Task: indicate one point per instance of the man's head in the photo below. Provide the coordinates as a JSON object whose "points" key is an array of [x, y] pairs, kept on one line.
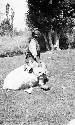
{"points": [[35, 33]]}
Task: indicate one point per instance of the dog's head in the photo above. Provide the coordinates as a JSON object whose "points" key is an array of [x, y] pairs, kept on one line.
{"points": [[38, 71]]}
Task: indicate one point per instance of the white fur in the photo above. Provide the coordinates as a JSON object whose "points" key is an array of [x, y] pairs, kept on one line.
{"points": [[40, 69], [72, 122], [18, 77]]}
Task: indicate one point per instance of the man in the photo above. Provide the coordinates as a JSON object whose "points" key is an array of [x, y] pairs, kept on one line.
{"points": [[33, 59], [33, 50]]}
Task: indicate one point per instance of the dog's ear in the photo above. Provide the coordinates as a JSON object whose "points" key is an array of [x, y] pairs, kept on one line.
{"points": [[31, 70], [44, 77], [46, 80]]}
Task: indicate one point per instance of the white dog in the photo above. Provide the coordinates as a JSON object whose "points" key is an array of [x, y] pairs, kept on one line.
{"points": [[18, 77]]}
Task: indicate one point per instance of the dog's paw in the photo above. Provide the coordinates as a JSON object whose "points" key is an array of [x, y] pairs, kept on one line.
{"points": [[45, 87], [29, 90]]}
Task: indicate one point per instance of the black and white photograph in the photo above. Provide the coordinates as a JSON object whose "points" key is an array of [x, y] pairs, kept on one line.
{"points": [[37, 62]]}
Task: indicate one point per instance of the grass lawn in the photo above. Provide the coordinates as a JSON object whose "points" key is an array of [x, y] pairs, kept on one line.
{"points": [[53, 107]]}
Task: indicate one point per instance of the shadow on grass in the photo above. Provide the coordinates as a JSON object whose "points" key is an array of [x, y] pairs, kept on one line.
{"points": [[11, 54]]}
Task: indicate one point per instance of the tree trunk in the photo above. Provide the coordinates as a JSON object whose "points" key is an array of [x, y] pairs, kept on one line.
{"points": [[47, 43], [56, 41], [50, 39]]}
